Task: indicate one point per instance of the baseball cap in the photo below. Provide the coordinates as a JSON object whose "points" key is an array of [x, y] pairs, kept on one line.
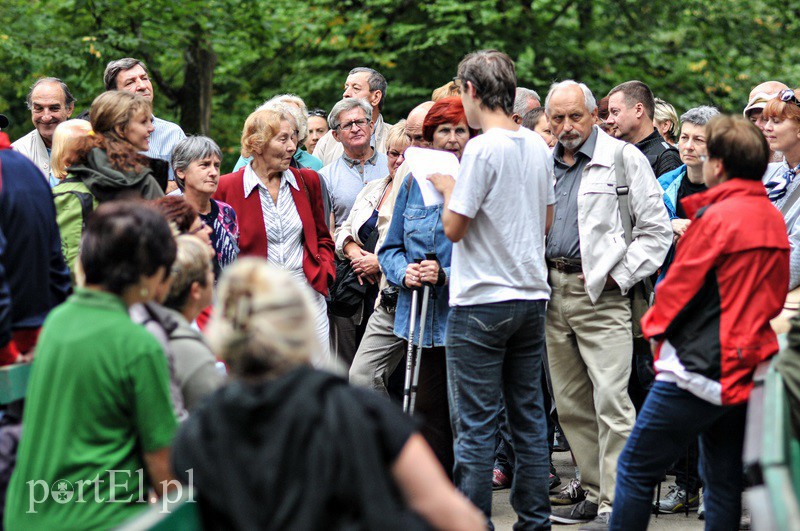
{"points": [[3, 121], [758, 101]]}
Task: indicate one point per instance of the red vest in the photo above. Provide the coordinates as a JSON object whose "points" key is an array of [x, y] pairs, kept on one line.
{"points": [[318, 257]]}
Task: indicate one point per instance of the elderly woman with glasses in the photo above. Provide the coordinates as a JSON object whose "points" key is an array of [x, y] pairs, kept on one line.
{"points": [[280, 210], [781, 118], [196, 161], [415, 231]]}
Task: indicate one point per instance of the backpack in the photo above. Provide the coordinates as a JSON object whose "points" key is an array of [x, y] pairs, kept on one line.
{"points": [[74, 202]]}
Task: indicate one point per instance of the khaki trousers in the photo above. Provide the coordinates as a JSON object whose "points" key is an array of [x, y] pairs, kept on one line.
{"points": [[589, 348]]}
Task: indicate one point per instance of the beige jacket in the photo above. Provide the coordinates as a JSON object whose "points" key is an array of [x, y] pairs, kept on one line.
{"points": [[32, 146], [362, 209], [602, 237], [328, 149]]}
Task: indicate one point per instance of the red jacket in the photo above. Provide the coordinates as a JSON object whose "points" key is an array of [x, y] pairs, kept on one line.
{"points": [[318, 261], [729, 279]]}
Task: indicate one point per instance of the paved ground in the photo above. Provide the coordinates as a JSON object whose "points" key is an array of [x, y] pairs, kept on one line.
{"points": [[503, 515]]}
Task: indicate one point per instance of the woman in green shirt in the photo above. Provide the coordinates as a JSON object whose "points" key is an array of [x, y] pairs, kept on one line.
{"points": [[98, 420]]}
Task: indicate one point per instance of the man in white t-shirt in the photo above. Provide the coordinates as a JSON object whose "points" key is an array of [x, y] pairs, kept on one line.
{"points": [[498, 213]]}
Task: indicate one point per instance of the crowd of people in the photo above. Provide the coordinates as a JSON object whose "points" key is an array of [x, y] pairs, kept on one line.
{"points": [[598, 276]]}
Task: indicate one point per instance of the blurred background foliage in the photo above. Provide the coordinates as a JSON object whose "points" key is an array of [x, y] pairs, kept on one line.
{"points": [[214, 61]]}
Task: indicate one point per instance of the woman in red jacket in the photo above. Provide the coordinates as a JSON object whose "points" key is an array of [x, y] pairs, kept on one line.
{"points": [[710, 329], [280, 210]]}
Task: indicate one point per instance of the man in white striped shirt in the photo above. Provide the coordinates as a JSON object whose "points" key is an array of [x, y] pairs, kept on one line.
{"points": [[131, 74]]}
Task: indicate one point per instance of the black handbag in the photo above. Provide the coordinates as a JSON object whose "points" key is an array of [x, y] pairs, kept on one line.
{"points": [[346, 294]]}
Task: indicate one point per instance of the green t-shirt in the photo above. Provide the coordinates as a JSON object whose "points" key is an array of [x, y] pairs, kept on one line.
{"points": [[98, 398]]}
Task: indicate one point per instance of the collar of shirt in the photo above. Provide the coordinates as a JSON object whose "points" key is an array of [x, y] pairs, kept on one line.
{"points": [[355, 162], [587, 148], [251, 180]]}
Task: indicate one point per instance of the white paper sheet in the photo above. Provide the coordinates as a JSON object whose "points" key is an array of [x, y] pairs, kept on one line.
{"points": [[424, 162]]}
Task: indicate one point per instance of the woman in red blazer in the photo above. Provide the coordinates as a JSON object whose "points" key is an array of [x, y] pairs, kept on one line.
{"points": [[280, 210]]}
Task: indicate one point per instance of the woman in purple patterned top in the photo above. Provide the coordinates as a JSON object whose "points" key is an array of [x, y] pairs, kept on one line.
{"points": [[196, 161]]}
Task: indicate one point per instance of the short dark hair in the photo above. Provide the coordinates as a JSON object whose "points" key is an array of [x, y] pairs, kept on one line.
{"points": [[120, 65], [178, 211], [376, 81], [637, 92], [739, 144], [492, 74], [531, 118], [123, 241], [69, 99]]}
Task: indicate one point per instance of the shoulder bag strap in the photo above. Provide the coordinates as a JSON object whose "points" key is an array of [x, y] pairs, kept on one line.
{"points": [[622, 194]]}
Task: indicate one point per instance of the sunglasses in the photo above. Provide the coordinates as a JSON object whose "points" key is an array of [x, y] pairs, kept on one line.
{"points": [[787, 96], [318, 112]]}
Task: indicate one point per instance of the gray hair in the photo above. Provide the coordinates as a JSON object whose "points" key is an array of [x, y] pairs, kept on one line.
{"points": [[69, 99], [347, 105], [376, 81], [190, 149], [588, 97], [699, 115], [289, 103], [120, 65], [521, 100]]}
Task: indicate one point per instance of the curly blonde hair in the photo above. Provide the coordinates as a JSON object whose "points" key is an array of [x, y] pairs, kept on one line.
{"points": [[259, 128], [264, 325]]}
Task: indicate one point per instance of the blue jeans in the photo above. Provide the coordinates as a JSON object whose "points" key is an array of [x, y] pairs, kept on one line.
{"points": [[670, 420], [491, 347]]}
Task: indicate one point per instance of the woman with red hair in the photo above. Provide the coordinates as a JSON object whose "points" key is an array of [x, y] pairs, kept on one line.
{"points": [[415, 231], [782, 132]]}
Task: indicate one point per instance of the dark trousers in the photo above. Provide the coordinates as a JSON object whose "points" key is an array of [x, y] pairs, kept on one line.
{"points": [[432, 407], [670, 420]]}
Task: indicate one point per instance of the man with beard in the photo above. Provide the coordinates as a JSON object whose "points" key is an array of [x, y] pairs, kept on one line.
{"points": [[591, 270]]}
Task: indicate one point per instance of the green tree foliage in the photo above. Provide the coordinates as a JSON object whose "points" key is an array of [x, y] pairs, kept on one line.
{"points": [[213, 61]]}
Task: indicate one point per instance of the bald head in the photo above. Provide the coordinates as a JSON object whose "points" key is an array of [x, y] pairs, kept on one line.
{"points": [[414, 124], [768, 87]]}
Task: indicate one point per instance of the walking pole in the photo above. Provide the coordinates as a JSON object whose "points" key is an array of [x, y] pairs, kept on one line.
{"points": [[422, 320], [410, 353], [426, 292]]}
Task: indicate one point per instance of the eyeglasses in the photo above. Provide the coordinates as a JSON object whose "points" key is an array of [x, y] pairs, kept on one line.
{"points": [[317, 112], [787, 96], [361, 123], [200, 228]]}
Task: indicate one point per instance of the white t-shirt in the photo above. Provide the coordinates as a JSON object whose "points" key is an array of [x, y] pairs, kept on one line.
{"points": [[504, 184]]}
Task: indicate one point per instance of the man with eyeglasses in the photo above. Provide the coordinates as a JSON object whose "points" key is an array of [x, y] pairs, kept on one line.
{"points": [[369, 85], [359, 163]]}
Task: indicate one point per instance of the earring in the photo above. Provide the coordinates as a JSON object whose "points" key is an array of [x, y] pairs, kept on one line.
{"points": [[144, 292]]}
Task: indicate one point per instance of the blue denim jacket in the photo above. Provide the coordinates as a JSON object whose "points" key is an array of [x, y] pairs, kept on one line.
{"points": [[414, 231]]}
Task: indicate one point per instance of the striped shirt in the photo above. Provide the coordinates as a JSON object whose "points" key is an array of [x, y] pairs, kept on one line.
{"points": [[163, 139], [282, 222]]}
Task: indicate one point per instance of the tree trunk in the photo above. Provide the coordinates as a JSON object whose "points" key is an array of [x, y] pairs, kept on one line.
{"points": [[198, 84]]}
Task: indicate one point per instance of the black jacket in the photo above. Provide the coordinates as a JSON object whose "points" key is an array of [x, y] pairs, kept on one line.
{"points": [[661, 156]]}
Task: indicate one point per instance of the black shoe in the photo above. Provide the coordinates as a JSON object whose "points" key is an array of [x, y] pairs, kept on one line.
{"points": [[585, 511]]}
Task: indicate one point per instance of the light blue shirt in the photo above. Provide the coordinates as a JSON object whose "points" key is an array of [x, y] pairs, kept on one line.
{"points": [[346, 177], [163, 139]]}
